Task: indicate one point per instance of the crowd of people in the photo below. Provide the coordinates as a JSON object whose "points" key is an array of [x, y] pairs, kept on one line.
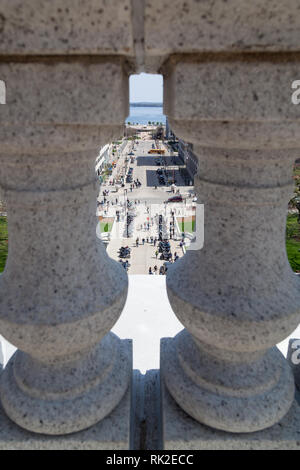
{"points": [[162, 270]]}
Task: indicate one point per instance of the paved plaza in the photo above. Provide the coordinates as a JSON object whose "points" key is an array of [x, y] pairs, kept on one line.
{"points": [[145, 203]]}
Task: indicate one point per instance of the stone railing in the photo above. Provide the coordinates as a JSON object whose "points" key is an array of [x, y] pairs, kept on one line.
{"points": [[228, 69]]}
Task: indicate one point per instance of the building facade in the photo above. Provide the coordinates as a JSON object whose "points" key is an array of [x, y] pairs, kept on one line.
{"points": [[190, 160]]}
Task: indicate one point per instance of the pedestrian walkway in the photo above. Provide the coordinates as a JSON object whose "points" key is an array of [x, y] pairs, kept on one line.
{"points": [[147, 203], [143, 256]]}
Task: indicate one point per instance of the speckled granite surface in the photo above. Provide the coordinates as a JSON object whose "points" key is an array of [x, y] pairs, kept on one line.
{"points": [[111, 433], [181, 432]]}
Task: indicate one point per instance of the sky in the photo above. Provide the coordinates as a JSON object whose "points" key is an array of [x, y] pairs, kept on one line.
{"points": [[146, 87]]}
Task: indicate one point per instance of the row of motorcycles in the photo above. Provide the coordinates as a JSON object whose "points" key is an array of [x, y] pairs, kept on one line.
{"points": [[160, 227], [161, 235], [124, 252], [131, 213], [164, 248]]}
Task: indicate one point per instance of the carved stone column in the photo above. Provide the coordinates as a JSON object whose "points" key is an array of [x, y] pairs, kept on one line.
{"points": [[60, 293], [238, 296]]}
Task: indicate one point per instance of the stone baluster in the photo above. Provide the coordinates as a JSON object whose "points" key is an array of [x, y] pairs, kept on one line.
{"points": [[60, 293], [237, 297]]}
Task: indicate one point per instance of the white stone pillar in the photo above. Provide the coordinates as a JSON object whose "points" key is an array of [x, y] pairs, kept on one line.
{"points": [[237, 297], [60, 293]]}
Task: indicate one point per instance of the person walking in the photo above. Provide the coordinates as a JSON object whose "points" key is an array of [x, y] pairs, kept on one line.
{"points": [[137, 241], [143, 240], [155, 269], [150, 270], [156, 254]]}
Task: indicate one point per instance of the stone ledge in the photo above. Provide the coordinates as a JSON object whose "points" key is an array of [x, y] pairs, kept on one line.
{"points": [[181, 432], [69, 27], [184, 26]]}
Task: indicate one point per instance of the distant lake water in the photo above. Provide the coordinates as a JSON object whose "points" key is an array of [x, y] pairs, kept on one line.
{"points": [[142, 115]]}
